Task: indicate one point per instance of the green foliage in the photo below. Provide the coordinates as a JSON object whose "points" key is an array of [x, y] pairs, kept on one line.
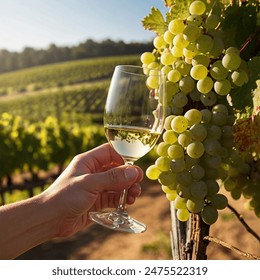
{"points": [[38, 146], [155, 21]]}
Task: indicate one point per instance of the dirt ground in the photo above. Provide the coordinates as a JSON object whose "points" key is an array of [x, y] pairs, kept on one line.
{"points": [[152, 208]]}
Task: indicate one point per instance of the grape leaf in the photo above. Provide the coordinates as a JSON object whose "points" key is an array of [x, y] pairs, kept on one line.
{"points": [[247, 128], [247, 134], [169, 3], [155, 22]]}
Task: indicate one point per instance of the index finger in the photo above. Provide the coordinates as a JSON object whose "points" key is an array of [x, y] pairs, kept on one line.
{"points": [[101, 158]]}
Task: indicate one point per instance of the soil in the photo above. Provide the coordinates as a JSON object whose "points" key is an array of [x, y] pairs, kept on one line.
{"points": [[152, 208]]}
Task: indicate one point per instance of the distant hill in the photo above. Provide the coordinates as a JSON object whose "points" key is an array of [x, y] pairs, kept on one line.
{"points": [[10, 61]]}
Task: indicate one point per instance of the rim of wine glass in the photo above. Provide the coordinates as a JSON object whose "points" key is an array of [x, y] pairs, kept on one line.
{"points": [[120, 67]]}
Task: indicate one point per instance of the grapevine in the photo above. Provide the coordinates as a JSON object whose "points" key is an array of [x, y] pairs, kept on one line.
{"points": [[202, 148]]}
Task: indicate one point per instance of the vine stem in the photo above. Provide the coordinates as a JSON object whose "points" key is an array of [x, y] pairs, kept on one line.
{"points": [[241, 219], [232, 248]]}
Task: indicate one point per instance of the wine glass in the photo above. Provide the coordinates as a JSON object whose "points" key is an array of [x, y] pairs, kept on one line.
{"points": [[133, 120]]}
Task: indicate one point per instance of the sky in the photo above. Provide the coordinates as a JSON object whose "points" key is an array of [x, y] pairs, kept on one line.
{"points": [[39, 23]]}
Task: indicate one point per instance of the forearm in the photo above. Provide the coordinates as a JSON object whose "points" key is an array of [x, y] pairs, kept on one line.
{"points": [[24, 225]]}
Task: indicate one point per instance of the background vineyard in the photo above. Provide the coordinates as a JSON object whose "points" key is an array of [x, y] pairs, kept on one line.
{"points": [[48, 114]]}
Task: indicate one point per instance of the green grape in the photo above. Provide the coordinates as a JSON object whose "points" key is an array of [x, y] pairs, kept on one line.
{"points": [[174, 76], [159, 42], [197, 8], [219, 201], [190, 51], [153, 172], [232, 50], [218, 48], [214, 132], [205, 85], [212, 147], [212, 21], [183, 67], [168, 37], [227, 131], [193, 116], [177, 165], [197, 172], [176, 26], [167, 58], [179, 124], [195, 149], [199, 72], [194, 20], [212, 187], [184, 139], [153, 65], [180, 100], [170, 90], [229, 184], [176, 52], [162, 149], [166, 69], [222, 87], [186, 84], [198, 132], [153, 82], [184, 177], [189, 161], [204, 43], [195, 205], [206, 115], [195, 95], [180, 203], [218, 71], [219, 118], [231, 61], [180, 41], [147, 58], [213, 161], [198, 189], [167, 122], [166, 178], [183, 215], [191, 33], [175, 151], [209, 215], [239, 77], [169, 189], [176, 111], [183, 190], [220, 108], [208, 99], [200, 59], [171, 196], [170, 137], [163, 163]]}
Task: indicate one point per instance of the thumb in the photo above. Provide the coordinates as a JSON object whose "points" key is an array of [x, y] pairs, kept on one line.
{"points": [[115, 179]]}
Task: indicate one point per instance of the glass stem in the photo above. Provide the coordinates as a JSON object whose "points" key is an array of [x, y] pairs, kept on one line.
{"points": [[122, 200]]}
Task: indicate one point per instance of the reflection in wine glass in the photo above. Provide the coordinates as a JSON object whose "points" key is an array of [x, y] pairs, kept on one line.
{"points": [[133, 120]]}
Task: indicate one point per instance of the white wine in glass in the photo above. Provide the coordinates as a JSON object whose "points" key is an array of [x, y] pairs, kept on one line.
{"points": [[133, 120]]}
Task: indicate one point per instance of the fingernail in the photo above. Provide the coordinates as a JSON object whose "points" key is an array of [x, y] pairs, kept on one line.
{"points": [[131, 173]]}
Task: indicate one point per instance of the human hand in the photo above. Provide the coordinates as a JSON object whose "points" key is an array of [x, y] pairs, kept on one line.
{"points": [[92, 181]]}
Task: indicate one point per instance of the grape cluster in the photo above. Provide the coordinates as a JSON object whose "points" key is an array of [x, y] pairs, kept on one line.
{"points": [[197, 141], [193, 149], [242, 178]]}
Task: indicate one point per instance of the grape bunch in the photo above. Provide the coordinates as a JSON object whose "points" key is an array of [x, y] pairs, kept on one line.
{"points": [[242, 178], [197, 143]]}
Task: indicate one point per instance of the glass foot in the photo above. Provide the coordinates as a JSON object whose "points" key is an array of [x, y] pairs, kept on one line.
{"points": [[117, 220]]}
